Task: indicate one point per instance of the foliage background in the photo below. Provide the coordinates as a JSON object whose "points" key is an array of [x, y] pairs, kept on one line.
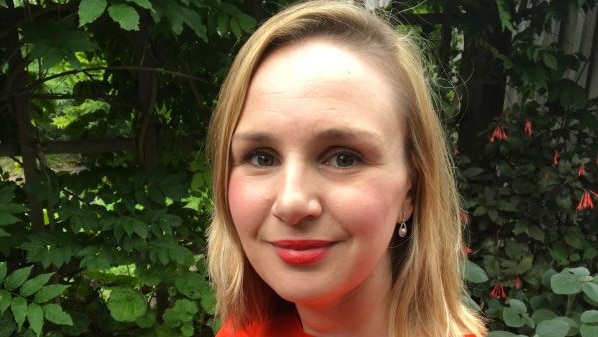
{"points": [[104, 193]]}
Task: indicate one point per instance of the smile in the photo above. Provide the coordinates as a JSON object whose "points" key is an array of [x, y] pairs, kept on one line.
{"points": [[302, 252]]}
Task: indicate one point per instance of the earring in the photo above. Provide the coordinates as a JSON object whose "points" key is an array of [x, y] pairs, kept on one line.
{"points": [[403, 227]]}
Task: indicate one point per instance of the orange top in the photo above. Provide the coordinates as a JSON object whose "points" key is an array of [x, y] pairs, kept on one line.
{"points": [[286, 325]]}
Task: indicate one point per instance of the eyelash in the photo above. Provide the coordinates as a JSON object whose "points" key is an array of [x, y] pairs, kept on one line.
{"points": [[356, 158], [329, 156], [253, 154]]}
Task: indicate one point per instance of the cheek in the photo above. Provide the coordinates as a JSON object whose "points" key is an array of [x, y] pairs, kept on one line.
{"points": [[247, 203], [369, 211]]}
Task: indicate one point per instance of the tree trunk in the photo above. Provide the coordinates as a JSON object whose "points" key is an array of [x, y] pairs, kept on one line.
{"points": [[484, 83], [20, 108]]}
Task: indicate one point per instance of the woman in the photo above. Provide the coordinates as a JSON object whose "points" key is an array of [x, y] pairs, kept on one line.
{"points": [[336, 212]]}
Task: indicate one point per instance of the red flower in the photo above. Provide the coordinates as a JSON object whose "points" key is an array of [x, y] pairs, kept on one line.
{"points": [[581, 171], [498, 291], [498, 134], [466, 250], [517, 283], [528, 127], [556, 157], [586, 200]]}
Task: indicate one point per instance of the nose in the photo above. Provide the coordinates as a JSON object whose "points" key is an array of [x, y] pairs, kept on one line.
{"points": [[297, 197]]}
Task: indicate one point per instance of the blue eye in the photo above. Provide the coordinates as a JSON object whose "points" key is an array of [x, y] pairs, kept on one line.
{"points": [[343, 160], [261, 158]]}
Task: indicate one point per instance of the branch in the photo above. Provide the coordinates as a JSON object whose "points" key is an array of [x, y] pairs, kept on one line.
{"points": [[90, 146], [81, 146], [39, 82], [69, 96]]}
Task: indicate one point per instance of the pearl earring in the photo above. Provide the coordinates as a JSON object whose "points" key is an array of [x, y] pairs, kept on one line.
{"points": [[403, 227]]}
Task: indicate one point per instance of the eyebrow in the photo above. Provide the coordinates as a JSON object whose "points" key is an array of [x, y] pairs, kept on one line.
{"points": [[252, 136], [326, 134], [346, 134]]}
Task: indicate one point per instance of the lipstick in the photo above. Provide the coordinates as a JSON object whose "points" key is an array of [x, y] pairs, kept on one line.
{"points": [[301, 252]]}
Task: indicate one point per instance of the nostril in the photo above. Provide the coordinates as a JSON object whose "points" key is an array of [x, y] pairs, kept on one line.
{"points": [[296, 207]]}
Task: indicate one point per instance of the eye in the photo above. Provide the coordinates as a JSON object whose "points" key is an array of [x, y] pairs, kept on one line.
{"points": [[261, 158], [343, 159]]}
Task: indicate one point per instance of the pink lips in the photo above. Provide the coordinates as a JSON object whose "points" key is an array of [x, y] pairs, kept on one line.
{"points": [[301, 252]]}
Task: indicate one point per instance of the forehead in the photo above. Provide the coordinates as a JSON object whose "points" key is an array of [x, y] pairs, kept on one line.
{"points": [[318, 60], [319, 69]]}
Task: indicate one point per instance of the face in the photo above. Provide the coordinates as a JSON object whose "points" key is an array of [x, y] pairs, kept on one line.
{"points": [[319, 177]]}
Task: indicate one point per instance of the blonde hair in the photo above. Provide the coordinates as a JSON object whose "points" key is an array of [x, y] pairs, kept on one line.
{"points": [[428, 288]]}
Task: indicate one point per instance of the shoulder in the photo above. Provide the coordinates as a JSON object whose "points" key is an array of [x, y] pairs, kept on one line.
{"points": [[227, 330], [287, 325]]}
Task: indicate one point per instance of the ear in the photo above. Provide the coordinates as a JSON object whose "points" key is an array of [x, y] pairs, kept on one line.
{"points": [[407, 206]]}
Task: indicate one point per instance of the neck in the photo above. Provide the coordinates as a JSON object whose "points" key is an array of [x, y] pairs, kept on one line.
{"points": [[361, 313]]}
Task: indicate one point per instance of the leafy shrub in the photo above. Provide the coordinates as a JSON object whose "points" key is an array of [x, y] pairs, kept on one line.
{"points": [[120, 247]]}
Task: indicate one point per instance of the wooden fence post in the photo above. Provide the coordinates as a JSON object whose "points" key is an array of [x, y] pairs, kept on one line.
{"points": [[20, 108]]}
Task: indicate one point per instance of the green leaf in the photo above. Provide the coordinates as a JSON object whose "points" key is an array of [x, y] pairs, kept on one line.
{"points": [[7, 193], [591, 290], [570, 93], [506, 206], [513, 318], [90, 10], [7, 326], [235, 27], [183, 311], [230, 9], [472, 172], [589, 316], [565, 283], [145, 4], [574, 240], [49, 292], [125, 15], [31, 286], [500, 334], [550, 60], [588, 330], [5, 300], [208, 299], [14, 280], [146, 321], [3, 270], [8, 219], [54, 313], [126, 305], [536, 232], [18, 306], [518, 306], [552, 328], [187, 330], [222, 24], [504, 15], [247, 23], [35, 317], [474, 273], [190, 285], [192, 19], [543, 315], [173, 186], [573, 325]]}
